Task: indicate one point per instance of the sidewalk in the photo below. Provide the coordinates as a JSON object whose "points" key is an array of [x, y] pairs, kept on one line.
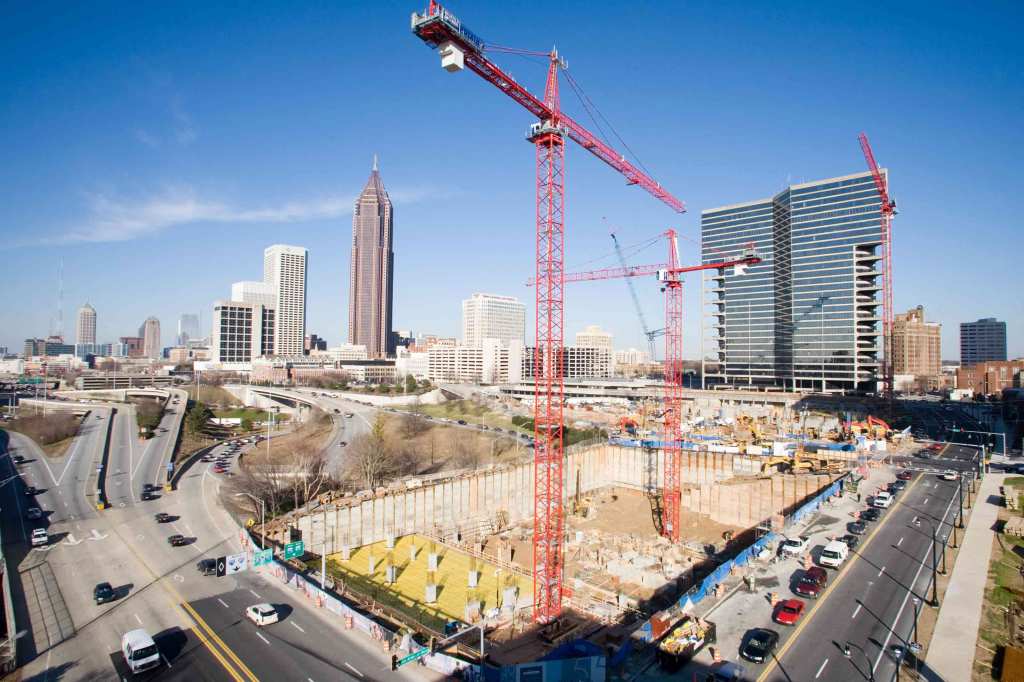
{"points": [[951, 653]]}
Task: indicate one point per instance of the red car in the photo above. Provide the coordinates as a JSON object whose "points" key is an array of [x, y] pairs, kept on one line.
{"points": [[812, 582], [935, 446], [904, 475], [788, 612]]}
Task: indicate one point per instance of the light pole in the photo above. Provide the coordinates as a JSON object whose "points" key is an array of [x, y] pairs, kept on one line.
{"points": [[263, 517], [848, 652], [986, 433], [935, 565]]}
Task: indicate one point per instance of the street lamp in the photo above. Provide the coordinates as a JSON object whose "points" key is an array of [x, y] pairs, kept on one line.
{"points": [[848, 652], [263, 517], [935, 563]]}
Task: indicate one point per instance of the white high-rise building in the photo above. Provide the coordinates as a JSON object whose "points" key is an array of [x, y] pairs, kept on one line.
{"points": [[151, 338], [261, 293], [487, 316], [242, 332], [594, 337], [284, 271], [86, 332]]}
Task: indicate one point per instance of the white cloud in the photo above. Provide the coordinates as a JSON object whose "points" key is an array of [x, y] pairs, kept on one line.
{"points": [[114, 219]]}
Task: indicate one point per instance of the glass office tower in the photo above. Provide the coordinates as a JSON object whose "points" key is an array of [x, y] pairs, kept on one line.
{"points": [[808, 317]]}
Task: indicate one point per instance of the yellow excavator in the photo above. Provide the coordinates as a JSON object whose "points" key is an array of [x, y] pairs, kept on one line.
{"points": [[799, 462]]}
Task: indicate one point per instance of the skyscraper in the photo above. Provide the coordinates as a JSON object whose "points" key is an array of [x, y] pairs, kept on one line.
{"points": [[982, 341], [284, 271], [371, 275], [86, 330], [151, 338], [807, 317], [188, 328], [916, 347], [487, 316]]}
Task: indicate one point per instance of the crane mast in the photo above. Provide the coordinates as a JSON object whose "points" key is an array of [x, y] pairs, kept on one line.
{"points": [[460, 48]]}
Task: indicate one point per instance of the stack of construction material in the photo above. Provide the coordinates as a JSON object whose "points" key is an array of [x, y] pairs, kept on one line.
{"points": [[1009, 494], [1014, 526]]}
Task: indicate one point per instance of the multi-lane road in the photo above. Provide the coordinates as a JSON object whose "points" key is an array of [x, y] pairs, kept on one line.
{"points": [[197, 620], [869, 608]]}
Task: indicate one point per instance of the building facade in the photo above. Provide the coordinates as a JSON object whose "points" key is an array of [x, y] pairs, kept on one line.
{"points": [[262, 293], [188, 329], [242, 332], [85, 332], [284, 272], [490, 363], [990, 378], [578, 362], [488, 316], [982, 341], [371, 274], [151, 338], [917, 348], [807, 317]]}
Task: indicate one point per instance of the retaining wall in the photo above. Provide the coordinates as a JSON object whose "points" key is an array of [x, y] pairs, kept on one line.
{"points": [[465, 503]]}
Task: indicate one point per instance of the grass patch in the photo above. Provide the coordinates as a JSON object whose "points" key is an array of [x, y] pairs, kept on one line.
{"points": [[53, 433], [249, 413], [471, 412], [215, 396]]}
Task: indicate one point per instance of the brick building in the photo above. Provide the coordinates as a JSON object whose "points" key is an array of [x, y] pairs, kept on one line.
{"points": [[989, 378]]}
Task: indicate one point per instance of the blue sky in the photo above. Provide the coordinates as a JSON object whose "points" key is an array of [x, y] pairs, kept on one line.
{"points": [[158, 149]]}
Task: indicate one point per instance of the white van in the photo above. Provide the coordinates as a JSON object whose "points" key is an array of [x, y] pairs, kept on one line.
{"points": [[139, 649], [882, 499], [834, 554]]}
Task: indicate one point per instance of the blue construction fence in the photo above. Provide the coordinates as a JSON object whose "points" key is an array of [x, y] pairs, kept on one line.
{"points": [[697, 593]]}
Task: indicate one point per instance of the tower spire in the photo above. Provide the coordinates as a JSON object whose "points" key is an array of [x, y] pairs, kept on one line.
{"points": [[375, 162]]}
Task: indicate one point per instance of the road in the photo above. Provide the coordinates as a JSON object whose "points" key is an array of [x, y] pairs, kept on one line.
{"points": [[196, 620], [871, 606]]}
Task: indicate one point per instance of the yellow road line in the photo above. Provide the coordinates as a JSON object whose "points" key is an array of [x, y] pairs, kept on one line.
{"points": [[770, 666], [179, 602], [213, 635]]}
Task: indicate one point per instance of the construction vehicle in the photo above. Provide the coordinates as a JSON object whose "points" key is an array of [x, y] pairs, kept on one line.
{"points": [[872, 427], [684, 641]]}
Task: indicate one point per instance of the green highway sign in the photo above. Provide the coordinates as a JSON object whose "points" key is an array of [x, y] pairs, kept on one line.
{"points": [[397, 662], [293, 550], [262, 557], [30, 380]]}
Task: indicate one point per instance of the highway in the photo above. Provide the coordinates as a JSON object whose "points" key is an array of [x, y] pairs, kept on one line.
{"points": [[196, 620], [870, 607]]}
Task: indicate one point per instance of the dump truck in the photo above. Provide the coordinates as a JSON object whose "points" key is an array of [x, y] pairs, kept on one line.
{"points": [[683, 642]]}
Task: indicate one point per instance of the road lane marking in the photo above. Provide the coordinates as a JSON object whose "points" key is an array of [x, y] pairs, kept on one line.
{"points": [[353, 669], [855, 611], [213, 636], [900, 542], [255, 595], [881, 571], [925, 503], [917, 575], [137, 618], [823, 664], [263, 638], [223, 603], [296, 626], [824, 595]]}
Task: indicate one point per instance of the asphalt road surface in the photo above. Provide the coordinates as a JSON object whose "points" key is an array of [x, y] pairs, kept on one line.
{"points": [[871, 607]]}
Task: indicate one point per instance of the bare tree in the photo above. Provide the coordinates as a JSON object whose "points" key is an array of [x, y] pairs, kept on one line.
{"points": [[412, 425], [373, 455], [309, 474]]}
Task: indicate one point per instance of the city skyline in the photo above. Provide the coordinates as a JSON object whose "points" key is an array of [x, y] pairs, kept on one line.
{"points": [[166, 202]]}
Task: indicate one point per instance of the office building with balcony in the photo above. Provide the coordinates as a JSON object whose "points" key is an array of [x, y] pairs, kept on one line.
{"points": [[808, 316]]}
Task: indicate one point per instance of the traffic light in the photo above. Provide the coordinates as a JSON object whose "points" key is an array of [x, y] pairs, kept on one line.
{"points": [[394, 662]]}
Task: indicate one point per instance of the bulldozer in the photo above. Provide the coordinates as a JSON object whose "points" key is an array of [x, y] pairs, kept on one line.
{"points": [[800, 462]]}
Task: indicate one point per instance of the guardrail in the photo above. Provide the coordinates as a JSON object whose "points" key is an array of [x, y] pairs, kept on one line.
{"points": [[96, 487]]}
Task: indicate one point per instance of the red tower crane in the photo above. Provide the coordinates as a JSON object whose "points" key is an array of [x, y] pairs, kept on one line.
{"points": [[888, 211], [459, 48], [670, 276]]}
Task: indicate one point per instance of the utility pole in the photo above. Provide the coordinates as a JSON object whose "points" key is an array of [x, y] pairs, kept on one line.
{"points": [[935, 566]]}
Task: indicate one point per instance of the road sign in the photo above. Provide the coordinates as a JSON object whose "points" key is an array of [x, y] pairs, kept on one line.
{"points": [[170, 467], [222, 566], [397, 662], [262, 556], [236, 563], [293, 550]]}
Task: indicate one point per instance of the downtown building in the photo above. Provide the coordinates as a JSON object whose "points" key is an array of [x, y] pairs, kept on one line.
{"points": [[982, 341], [371, 273], [808, 316], [488, 316], [85, 332], [242, 332], [916, 350], [284, 279]]}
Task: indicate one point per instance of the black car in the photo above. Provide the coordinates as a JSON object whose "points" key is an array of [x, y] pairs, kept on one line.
{"points": [[872, 514], [857, 527], [758, 645], [31, 490], [850, 541], [462, 421], [897, 486], [146, 495], [148, 488], [18, 459], [163, 517], [103, 593], [207, 566], [177, 540]]}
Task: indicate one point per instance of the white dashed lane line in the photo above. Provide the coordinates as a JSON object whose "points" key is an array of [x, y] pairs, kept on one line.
{"points": [[223, 603], [296, 626], [823, 664], [267, 641]]}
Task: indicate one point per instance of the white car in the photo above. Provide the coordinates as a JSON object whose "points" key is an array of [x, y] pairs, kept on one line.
{"points": [[40, 538], [949, 475], [794, 546], [139, 650], [261, 614], [882, 500]]}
